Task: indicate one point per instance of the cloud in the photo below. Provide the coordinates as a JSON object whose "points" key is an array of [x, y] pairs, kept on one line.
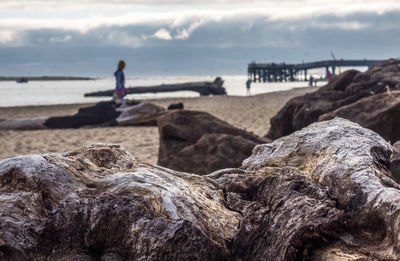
{"points": [[189, 28], [184, 33], [231, 31], [117, 38], [30, 3], [162, 34], [60, 39], [87, 15], [168, 38], [7, 37]]}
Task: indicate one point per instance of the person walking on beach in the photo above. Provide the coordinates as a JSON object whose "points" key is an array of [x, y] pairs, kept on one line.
{"points": [[329, 76], [120, 90], [311, 81], [248, 86]]}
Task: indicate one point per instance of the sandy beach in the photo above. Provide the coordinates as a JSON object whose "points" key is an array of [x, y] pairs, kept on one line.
{"points": [[251, 113]]}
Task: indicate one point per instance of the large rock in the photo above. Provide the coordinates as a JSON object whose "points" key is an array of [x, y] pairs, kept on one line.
{"points": [[395, 161], [176, 106], [344, 89], [197, 142], [380, 113], [211, 152], [323, 192]]}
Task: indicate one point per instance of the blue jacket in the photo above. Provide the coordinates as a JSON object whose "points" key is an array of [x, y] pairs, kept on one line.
{"points": [[120, 79]]}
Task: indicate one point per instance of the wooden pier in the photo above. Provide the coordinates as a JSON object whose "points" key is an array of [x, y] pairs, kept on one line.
{"points": [[280, 72]]}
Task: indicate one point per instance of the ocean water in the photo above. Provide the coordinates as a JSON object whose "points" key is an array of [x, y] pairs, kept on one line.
{"points": [[67, 92]]}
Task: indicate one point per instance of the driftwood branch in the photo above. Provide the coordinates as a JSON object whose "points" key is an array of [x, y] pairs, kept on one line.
{"points": [[203, 88]]}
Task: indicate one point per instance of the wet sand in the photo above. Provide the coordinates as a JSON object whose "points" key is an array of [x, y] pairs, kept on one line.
{"points": [[250, 113]]}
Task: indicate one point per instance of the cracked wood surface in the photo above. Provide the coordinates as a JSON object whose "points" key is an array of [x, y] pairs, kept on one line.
{"points": [[322, 192]]}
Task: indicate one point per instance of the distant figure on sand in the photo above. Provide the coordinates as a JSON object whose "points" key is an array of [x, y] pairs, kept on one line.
{"points": [[248, 86], [120, 90], [329, 75]]}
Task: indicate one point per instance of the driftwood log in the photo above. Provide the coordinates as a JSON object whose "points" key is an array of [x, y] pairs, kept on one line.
{"points": [[101, 114], [203, 88], [322, 193]]}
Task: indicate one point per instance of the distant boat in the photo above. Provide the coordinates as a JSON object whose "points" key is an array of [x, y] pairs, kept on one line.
{"points": [[22, 80]]}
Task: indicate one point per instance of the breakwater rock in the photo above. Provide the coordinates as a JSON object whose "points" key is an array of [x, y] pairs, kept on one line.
{"points": [[322, 192], [379, 112], [197, 142], [395, 162], [345, 91]]}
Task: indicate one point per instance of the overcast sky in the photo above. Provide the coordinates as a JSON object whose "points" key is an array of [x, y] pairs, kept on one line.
{"points": [[70, 37]]}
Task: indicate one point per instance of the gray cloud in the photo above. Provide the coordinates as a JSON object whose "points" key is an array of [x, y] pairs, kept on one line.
{"points": [[24, 3], [243, 31], [210, 46]]}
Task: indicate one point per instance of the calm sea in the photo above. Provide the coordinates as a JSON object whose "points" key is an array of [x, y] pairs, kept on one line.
{"points": [[66, 92]]}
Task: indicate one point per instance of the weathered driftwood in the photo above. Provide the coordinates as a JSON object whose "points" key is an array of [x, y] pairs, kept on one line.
{"points": [[142, 113], [350, 164], [24, 124], [203, 88], [99, 115], [100, 203], [322, 192]]}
